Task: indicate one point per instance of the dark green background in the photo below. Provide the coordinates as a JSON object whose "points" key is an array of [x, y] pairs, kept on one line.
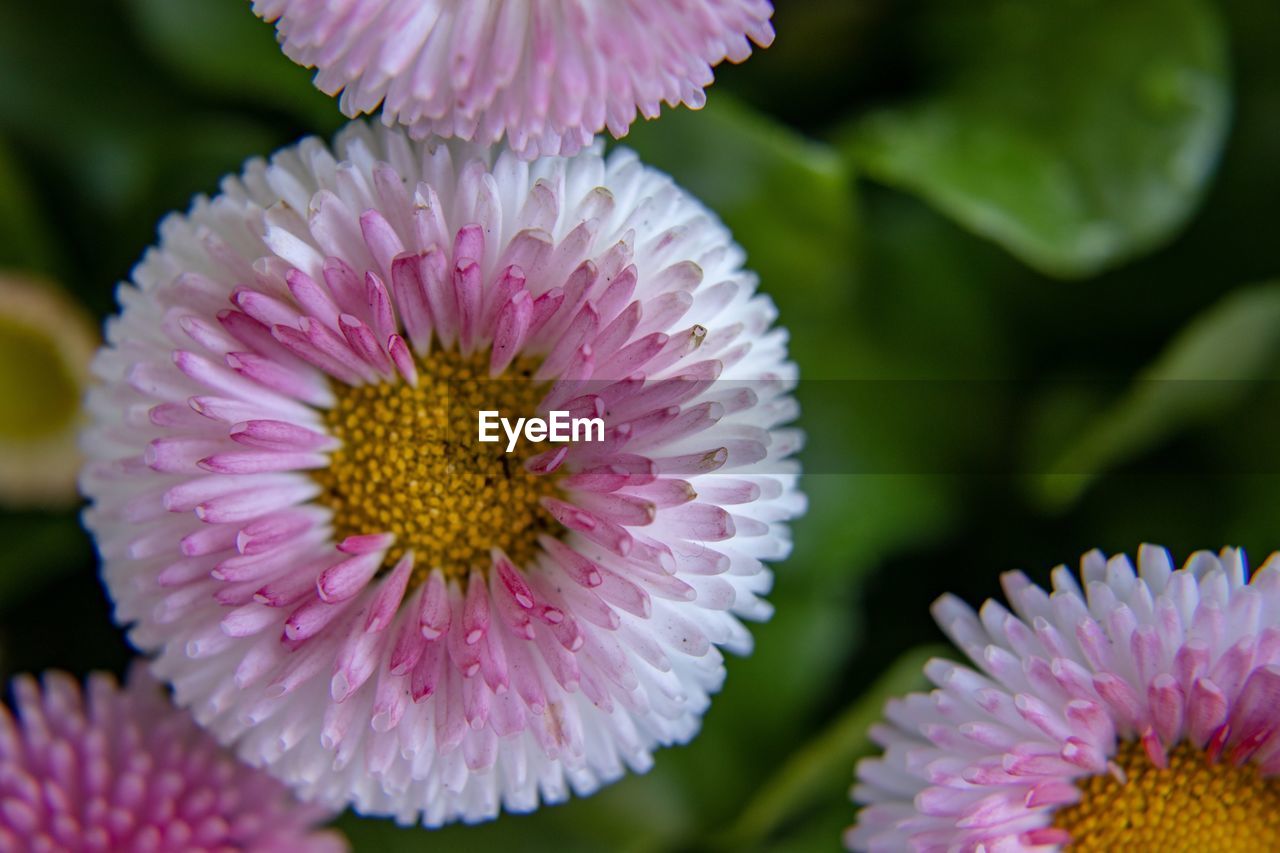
{"points": [[1023, 250]]}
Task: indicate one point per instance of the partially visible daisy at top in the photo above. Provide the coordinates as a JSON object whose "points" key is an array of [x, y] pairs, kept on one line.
{"points": [[295, 511], [548, 75], [1124, 711], [108, 768]]}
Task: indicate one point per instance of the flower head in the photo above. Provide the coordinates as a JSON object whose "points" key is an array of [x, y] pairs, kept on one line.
{"points": [[121, 769], [1138, 712], [549, 75], [295, 511], [46, 343]]}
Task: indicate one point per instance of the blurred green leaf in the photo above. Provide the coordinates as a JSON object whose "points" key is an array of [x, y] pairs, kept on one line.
{"points": [[113, 141], [912, 407], [855, 519], [817, 42], [820, 831], [41, 549], [766, 687], [789, 202], [825, 764], [24, 237], [1075, 133], [1201, 375], [226, 50]]}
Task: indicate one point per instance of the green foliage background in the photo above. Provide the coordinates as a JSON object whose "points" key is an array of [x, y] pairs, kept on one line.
{"points": [[1023, 248]]}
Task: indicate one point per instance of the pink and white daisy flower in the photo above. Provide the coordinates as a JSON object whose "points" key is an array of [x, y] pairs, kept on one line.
{"points": [[122, 769], [548, 75], [1136, 712], [294, 511]]}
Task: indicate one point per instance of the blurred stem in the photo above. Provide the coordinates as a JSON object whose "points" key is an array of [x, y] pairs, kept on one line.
{"points": [[826, 762]]}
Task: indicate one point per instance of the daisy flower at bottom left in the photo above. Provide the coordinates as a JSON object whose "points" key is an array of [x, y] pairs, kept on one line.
{"points": [[112, 768]]}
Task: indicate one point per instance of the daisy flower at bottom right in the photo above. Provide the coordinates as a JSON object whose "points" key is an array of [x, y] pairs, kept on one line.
{"points": [[1125, 709]]}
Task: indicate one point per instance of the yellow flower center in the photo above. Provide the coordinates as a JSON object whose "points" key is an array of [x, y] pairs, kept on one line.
{"points": [[40, 394], [1191, 805], [410, 464]]}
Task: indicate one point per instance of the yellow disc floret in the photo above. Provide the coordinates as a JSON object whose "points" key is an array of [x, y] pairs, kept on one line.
{"points": [[1193, 804], [410, 464]]}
